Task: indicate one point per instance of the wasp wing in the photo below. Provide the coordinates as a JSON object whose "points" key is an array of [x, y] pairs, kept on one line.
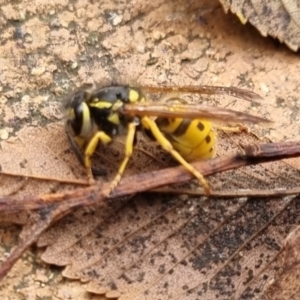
{"points": [[191, 111], [205, 89]]}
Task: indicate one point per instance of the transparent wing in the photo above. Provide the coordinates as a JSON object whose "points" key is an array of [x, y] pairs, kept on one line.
{"points": [[206, 89], [190, 111]]}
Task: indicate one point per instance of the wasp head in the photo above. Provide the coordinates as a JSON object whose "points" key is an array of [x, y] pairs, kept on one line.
{"points": [[77, 113]]}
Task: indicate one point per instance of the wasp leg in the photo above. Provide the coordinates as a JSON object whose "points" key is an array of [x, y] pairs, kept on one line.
{"points": [[74, 145], [90, 149], [167, 146], [128, 152], [237, 128]]}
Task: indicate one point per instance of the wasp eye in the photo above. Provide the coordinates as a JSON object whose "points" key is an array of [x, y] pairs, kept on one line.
{"points": [[75, 117], [78, 110]]}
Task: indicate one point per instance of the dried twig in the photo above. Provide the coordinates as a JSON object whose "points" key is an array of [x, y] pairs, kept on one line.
{"points": [[53, 207]]}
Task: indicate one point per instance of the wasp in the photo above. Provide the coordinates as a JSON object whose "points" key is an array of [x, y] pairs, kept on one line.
{"points": [[184, 130]]}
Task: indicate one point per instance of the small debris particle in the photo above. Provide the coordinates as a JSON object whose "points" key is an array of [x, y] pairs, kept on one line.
{"points": [[157, 35], [74, 65], [25, 98], [58, 90], [22, 15], [264, 87], [4, 134], [140, 48], [55, 23], [117, 20], [152, 61], [3, 100], [38, 71]]}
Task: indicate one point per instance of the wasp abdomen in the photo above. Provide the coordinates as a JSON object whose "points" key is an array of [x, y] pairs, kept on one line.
{"points": [[193, 139]]}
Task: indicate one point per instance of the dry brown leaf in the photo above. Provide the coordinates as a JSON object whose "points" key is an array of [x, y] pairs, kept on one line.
{"points": [[67, 242], [277, 18], [177, 241], [285, 285], [176, 250], [47, 48], [30, 153]]}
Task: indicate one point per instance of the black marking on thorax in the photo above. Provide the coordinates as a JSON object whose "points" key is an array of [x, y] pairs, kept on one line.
{"points": [[112, 94]]}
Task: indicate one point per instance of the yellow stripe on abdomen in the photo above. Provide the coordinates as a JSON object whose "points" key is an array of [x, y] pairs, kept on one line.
{"points": [[193, 139]]}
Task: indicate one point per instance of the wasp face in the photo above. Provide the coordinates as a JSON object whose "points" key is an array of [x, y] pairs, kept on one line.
{"points": [[78, 114]]}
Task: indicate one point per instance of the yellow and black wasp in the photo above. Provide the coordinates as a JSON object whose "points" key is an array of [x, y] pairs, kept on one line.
{"points": [[184, 130]]}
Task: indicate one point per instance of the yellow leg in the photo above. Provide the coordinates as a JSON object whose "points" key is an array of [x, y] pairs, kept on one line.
{"points": [[237, 128], [167, 146], [128, 153], [90, 149]]}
